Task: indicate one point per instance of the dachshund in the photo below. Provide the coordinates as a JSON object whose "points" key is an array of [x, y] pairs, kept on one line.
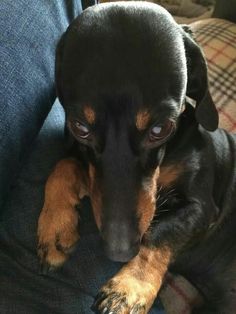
{"points": [[144, 145]]}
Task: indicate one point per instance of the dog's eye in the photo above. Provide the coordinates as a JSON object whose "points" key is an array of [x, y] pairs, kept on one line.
{"points": [[81, 130], [160, 132]]}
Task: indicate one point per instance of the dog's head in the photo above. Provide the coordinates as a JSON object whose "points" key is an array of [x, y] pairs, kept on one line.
{"points": [[123, 71]]}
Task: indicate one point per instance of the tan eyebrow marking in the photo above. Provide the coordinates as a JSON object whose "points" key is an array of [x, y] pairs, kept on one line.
{"points": [[142, 119], [89, 114]]}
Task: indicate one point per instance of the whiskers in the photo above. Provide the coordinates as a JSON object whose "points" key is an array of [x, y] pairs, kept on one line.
{"points": [[163, 197], [168, 201]]}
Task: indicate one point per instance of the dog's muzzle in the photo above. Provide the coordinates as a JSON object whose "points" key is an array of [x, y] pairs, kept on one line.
{"points": [[120, 243]]}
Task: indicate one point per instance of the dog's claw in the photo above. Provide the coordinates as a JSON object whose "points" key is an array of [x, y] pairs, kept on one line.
{"points": [[97, 311], [107, 311], [99, 298], [45, 268]]}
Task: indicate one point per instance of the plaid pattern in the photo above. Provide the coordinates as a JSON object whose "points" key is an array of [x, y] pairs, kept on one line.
{"points": [[179, 296], [218, 40]]}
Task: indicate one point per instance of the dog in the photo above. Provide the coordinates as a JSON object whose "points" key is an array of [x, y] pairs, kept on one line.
{"points": [[144, 145]]}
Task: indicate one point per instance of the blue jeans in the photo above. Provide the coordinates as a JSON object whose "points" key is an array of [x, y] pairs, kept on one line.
{"points": [[29, 31]]}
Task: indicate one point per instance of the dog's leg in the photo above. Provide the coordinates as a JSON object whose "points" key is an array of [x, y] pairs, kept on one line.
{"points": [[57, 225], [134, 288]]}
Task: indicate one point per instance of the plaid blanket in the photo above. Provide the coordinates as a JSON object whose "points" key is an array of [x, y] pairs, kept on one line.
{"points": [[187, 8], [218, 40], [179, 296]]}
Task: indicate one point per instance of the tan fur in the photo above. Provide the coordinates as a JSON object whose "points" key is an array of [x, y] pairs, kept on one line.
{"points": [[138, 282], [89, 114], [95, 196], [169, 174], [146, 205], [142, 119], [57, 225]]}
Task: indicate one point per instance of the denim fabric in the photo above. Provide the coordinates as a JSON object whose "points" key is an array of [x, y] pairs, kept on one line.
{"points": [[29, 31], [70, 289]]}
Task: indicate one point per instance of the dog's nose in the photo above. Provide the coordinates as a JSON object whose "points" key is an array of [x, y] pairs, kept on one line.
{"points": [[121, 253], [120, 243]]}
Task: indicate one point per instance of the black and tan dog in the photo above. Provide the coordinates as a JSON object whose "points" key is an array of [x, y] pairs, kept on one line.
{"points": [[161, 178]]}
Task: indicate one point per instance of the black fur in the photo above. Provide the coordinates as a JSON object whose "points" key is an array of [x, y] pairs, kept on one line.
{"points": [[120, 58]]}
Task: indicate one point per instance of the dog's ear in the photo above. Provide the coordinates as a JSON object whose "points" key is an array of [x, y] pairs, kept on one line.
{"points": [[197, 86], [58, 63]]}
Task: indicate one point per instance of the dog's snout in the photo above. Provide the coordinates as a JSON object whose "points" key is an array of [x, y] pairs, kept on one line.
{"points": [[120, 243], [118, 254]]}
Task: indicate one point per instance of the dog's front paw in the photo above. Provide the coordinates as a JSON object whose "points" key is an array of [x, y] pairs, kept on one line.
{"points": [[124, 295], [57, 235]]}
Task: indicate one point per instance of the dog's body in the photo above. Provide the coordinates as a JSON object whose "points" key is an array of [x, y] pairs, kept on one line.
{"points": [[210, 172], [162, 186]]}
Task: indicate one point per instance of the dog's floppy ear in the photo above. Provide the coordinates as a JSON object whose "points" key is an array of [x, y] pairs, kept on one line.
{"points": [[197, 86]]}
